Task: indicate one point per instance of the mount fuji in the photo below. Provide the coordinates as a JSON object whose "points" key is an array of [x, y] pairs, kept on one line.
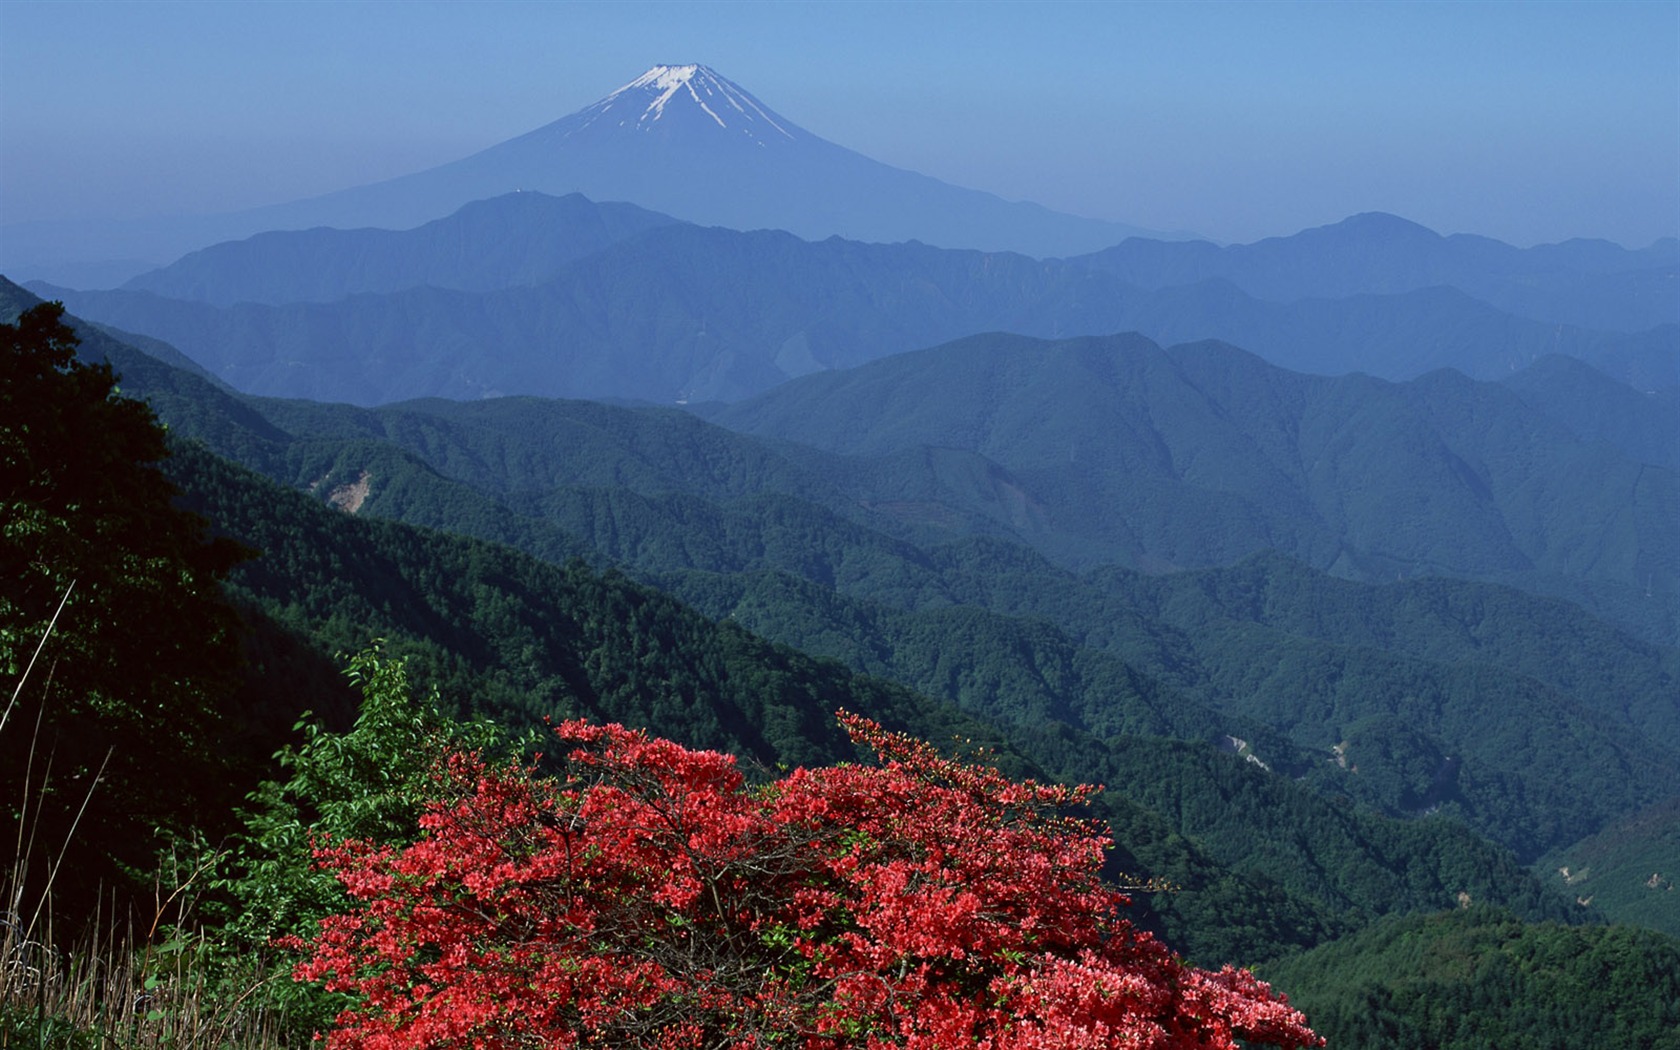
{"points": [[682, 140]]}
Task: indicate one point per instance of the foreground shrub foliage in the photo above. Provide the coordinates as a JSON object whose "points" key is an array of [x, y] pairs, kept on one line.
{"points": [[651, 897]]}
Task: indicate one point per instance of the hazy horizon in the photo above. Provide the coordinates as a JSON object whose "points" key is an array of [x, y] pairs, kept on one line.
{"points": [[1530, 123]]}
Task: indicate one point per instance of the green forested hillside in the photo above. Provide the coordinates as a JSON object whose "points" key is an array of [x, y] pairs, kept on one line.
{"points": [[1401, 686], [1442, 621], [1297, 754], [1627, 871], [1479, 979], [1641, 418], [1514, 497], [520, 640], [1245, 829], [1119, 451], [1519, 760], [1398, 695]]}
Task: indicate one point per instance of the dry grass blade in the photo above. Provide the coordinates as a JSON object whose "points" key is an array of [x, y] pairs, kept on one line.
{"points": [[18, 690], [108, 990]]}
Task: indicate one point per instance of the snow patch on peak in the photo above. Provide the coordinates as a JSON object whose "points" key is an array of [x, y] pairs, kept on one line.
{"points": [[665, 78], [702, 85]]}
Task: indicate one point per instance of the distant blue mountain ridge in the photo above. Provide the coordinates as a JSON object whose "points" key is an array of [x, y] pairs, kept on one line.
{"points": [[564, 297]]}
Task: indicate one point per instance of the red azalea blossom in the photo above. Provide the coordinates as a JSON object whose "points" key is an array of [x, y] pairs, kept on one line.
{"points": [[654, 899]]}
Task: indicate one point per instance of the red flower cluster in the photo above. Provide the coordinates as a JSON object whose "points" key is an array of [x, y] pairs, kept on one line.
{"points": [[654, 899]]}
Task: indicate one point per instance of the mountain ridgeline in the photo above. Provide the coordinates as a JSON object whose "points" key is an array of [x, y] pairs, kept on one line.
{"points": [[566, 298], [1118, 451], [1115, 450], [518, 239]]}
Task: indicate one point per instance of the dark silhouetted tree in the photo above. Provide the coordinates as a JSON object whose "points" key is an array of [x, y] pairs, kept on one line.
{"points": [[120, 711]]}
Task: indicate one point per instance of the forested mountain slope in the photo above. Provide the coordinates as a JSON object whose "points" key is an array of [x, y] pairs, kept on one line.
{"points": [[1118, 450], [1478, 978], [1523, 761], [1627, 871], [1402, 684], [523, 640], [1297, 753], [1642, 423], [1093, 689]]}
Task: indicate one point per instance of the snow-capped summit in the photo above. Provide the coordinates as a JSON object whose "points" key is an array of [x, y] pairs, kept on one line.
{"points": [[697, 91]]}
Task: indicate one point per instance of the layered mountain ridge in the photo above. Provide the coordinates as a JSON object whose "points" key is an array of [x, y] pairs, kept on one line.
{"points": [[567, 298]]}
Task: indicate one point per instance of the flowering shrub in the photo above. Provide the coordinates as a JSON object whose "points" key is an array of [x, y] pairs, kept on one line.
{"points": [[652, 898]]}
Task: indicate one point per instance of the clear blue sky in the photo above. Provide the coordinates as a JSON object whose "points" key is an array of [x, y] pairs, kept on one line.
{"points": [[1529, 122]]}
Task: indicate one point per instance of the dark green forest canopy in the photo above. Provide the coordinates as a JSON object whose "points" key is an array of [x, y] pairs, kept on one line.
{"points": [[520, 640], [1627, 871], [1461, 650], [1118, 450], [125, 709], [1478, 978]]}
